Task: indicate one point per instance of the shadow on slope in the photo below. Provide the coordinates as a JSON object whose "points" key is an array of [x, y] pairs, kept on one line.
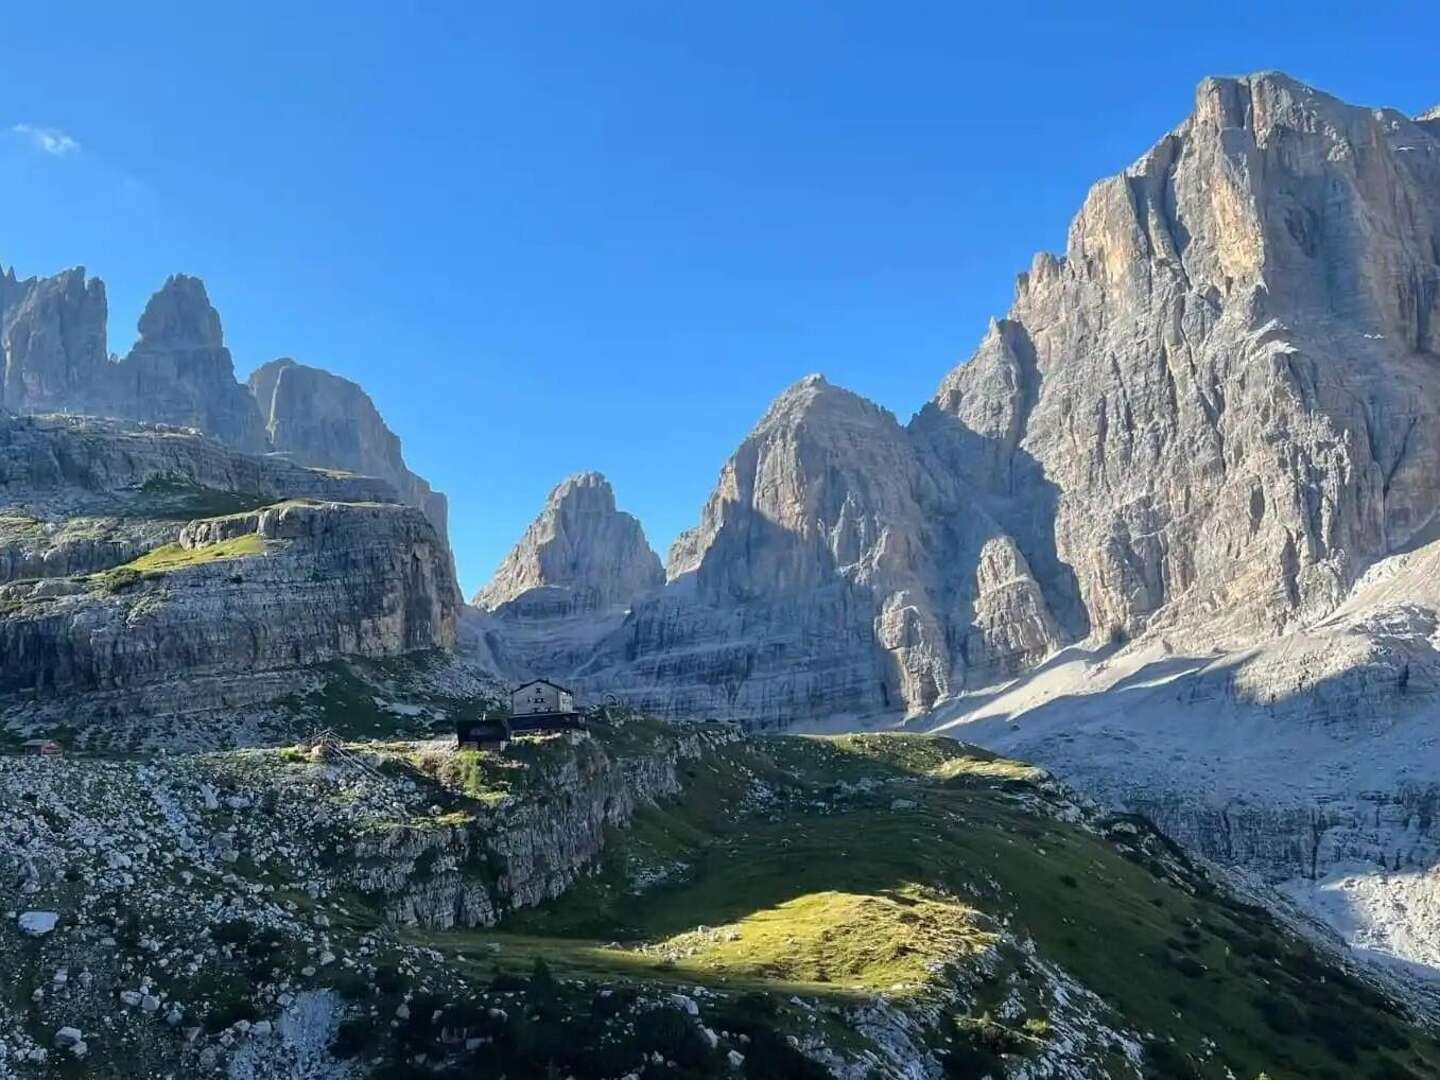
{"points": [[896, 866]]}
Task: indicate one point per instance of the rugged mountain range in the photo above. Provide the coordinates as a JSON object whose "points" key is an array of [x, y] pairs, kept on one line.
{"points": [[174, 543], [1171, 530], [1207, 419], [53, 359]]}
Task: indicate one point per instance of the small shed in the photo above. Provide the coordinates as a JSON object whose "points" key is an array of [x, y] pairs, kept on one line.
{"points": [[541, 697], [43, 746], [472, 734]]}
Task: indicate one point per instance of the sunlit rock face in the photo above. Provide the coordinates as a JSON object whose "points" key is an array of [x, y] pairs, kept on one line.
{"points": [[567, 584], [180, 372], [322, 420], [1227, 388], [52, 339], [134, 556], [580, 554]]}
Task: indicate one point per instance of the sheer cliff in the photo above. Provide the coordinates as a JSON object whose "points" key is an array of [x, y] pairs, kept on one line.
{"points": [[149, 570], [320, 419]]}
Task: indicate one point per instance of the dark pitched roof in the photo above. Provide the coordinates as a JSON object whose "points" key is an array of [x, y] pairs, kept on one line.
{"points": [[546, 682]]}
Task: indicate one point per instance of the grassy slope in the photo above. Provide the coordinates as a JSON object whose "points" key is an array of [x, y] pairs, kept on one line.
{"points": [[831, 891]]}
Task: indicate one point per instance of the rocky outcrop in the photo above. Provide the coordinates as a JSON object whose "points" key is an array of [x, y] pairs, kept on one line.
{"points": [[527, 851], [82, 494], [320, 419], [110, 588], [179, 373], [566, 586], [819, 581], [580, 555], [320, 581], [1221, 402]]}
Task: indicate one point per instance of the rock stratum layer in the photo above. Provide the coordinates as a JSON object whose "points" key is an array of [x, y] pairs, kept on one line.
{"points": [[179, 372], [133, 556], [1207, 418]]}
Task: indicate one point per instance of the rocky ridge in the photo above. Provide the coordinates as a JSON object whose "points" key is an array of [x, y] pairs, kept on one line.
{"points": [[1207, 417], [1200, 437], [319, 419], [179, 372], [135, 558]]}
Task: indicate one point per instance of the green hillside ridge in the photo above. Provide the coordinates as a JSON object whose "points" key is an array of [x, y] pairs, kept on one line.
{"points": [[792, 907]]}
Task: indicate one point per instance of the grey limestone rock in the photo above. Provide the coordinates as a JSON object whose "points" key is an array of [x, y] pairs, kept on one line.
{"points": [[821, 579], [52, 340], [581, 554], [1205, 419], [179, 373], [316, 418], [318, 565]]}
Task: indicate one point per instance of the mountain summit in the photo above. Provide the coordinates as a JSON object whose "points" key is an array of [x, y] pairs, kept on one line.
{"points": [[579, 554]]}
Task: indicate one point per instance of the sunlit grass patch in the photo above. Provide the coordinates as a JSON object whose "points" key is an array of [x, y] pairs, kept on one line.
{"points": [[895, 941], [174, 557]]}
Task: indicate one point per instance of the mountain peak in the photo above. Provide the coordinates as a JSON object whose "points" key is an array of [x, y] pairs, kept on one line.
{"points": [[323, 419], [579, 554], [588, 489], [181, 314]]}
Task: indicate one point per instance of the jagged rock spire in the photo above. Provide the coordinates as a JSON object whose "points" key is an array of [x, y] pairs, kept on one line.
{"points": [[581, 553]]}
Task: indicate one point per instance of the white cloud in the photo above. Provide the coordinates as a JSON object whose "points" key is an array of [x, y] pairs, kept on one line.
{"points": [[51, 141]]}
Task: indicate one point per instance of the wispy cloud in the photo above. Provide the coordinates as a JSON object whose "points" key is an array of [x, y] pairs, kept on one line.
{"points": [[47, 140]]}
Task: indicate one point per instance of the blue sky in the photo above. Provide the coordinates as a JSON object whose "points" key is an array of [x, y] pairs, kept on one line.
{"points": [[562, 236]]}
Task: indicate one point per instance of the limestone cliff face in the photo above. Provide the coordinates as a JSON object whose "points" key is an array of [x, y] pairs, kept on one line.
{"points": [[179, 371], [1220, 405], [566, 586], [819, 580], [307, 566], [320, 419], [581, 554], [52, 339], [816, 527]]}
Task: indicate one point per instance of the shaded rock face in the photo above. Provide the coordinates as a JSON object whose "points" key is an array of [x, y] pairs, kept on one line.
{"points": [[320, 566], [581, 554], [320, 419], [52, 340], [1206, 419], [828, 520], [179, 372], [816, 582]]}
